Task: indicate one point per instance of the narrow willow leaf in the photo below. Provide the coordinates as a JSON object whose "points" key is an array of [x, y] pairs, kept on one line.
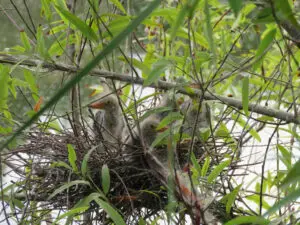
{"points": [[283, 202], [84, 164], [72, 157], [231, 198], [45, 9], [256, 199], [41, 46], [68, 185], [113, 214], [171, 117], [236, 6], [61, 164], [87, 200], [118, 5], [158, 68], [292, 176], [265, 43], [105, 178], [78, 23], [25, 41], [286, 156], [58, 47], [106, 50], [4, 78], [30, 79], [209, 30], [248, 220], [217, 170], [71, 212], [205, 166], [187, 10], [245, 95], [162, 136], [284, 7], [179, 20], [195, 163]]}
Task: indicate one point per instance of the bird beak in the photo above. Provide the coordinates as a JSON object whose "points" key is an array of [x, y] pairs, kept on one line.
{"points": [[97, 105], [162, 129]]}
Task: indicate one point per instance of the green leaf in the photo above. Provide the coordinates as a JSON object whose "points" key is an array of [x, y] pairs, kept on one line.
{"points": [[4, 78], [179, 20], [288, 199], [78, 23], [286, 156], [45, 9], [87, 200], [171, 117], [41, 45], [286, 12], [109, 48], [72, 157], [265, 43], [217, 170], [195, 163], [187, 9], [113, 214], [256, 199], [58, 46], [84, 164], [245, 95], [68, 185], [205, 166], [236, 6], [31, 83], [25, 41], [158, 68], [118, 5], [209, 30], [248, 220], [71, 212], [105, 178], [61, 164], [293, 175], [231, 198], [162, 136]]}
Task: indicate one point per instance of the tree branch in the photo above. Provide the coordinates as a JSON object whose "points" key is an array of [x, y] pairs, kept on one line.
{"points": [[281, 115]]}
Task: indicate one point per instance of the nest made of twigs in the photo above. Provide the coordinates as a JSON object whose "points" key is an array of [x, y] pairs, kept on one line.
{"points": [[133, 186]]}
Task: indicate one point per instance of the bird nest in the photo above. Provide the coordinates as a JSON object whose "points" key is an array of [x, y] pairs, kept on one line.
{"points": [[135, 189]]}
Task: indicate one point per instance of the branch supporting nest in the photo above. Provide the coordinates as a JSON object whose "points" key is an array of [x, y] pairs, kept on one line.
{"points": [[281, 115]]}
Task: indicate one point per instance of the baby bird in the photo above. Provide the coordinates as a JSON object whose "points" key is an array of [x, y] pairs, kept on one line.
{"points": [[190, 110], [109, 120], [171, 101], [148, 132]]}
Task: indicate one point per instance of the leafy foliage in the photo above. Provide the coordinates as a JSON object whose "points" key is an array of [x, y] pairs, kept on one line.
{"points": [[242, 56]]}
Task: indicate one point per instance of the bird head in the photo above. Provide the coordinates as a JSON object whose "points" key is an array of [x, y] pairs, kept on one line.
{"points": [[150, 129], [109, 102]]}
